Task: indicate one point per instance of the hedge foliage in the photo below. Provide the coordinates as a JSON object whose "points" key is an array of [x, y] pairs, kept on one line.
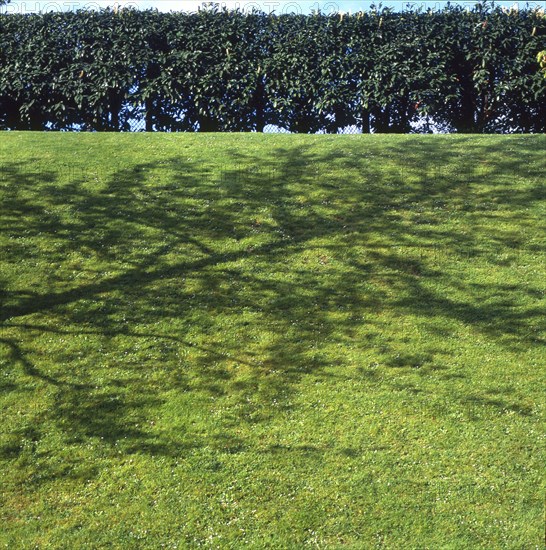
{"points": [[461, 70]]}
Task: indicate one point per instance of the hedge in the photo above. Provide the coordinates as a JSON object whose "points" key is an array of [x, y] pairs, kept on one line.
{"points": [[455, 69]]}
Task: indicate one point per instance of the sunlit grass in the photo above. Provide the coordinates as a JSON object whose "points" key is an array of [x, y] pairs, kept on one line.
{"points": [[219, 340]]}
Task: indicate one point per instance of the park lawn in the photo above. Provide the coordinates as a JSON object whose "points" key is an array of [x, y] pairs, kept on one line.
{"points": [[277, 341]]}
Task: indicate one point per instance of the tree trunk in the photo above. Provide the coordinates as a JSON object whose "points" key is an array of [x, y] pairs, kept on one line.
{"points": [[259, 105], [148, 117], [208, 124], [366, 121]]}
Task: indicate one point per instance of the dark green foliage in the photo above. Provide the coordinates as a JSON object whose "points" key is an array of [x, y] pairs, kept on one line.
{"points": [[463, 70]]}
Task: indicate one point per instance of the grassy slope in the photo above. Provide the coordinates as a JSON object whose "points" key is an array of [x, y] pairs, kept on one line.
{"points": [[218, 339]]}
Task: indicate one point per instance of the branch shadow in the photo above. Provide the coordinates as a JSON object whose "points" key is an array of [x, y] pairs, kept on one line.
{"points": [[237, 281]]}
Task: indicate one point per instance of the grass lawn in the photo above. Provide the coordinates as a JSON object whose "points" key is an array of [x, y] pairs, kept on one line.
{"points": [[270, 340]]}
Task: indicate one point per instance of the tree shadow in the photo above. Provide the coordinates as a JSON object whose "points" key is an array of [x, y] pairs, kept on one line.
{"points": [[236, 281]]}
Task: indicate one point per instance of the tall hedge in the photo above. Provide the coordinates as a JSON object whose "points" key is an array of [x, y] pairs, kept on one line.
{"points": [[456, 69]]}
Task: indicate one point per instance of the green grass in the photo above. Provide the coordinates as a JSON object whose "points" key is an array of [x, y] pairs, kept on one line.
{"points": [[280, 341]]}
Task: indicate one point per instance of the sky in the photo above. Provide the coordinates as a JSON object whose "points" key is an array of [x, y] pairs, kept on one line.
{"points": [[277, 6]]}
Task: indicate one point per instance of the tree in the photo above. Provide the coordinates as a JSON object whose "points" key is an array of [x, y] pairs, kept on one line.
{"points": [[219, 70]]}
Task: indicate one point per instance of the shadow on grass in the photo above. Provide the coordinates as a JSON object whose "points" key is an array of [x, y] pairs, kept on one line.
{"points": [[235, 281]]}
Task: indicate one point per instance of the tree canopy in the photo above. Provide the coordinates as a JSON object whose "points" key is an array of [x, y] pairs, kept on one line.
{"points": [[461, 70]]}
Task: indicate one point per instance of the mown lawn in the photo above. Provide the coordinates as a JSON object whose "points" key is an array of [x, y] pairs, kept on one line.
{"points": [[275, 341]]}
